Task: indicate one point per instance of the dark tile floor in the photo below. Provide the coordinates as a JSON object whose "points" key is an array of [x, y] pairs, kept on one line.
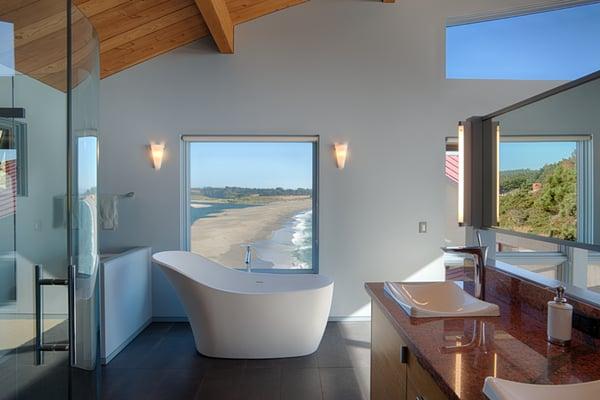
{"points": [[161, 363]]}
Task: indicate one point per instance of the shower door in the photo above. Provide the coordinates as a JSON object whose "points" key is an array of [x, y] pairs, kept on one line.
{"points": [[48, 237], [33, 191]]}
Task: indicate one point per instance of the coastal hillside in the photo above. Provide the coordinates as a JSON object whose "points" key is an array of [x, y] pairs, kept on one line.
{"points": [[542, 201]]}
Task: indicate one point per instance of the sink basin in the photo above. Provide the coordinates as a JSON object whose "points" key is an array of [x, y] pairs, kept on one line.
{"points": [[438, 299], [500, 389]]}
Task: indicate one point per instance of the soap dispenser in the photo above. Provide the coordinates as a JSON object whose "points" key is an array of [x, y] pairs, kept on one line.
{"points": [[560, 319]]}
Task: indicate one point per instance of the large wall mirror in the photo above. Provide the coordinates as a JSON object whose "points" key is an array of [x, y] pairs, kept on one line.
{"points": [[532, 181], [547, 172]]}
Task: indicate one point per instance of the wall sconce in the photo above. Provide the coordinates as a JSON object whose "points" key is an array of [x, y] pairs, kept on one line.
{"points": [[157, 152], [461, 173], [341, 153]]}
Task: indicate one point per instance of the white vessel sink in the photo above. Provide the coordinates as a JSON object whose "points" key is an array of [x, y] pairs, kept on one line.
{"points": [[500, 389], [438, 299]]}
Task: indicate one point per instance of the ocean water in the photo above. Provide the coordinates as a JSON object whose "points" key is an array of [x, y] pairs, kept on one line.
{"points": [[302, 239], [289, 247]]}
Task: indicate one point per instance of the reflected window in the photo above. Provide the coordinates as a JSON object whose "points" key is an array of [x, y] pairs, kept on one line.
{"points": [[559, 44], [257, 193], [539, 190]]}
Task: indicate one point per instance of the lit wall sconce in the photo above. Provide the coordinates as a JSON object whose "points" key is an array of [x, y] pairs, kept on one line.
{"points": [[461, 173], [157, 151], [341, 153]]}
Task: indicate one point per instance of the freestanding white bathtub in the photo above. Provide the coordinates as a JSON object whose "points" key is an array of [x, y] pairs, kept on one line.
{"points": [[238, 314]]}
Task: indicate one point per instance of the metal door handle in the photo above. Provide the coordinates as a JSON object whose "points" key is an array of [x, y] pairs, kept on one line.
{"points": [[72, 313], [40, 345]]}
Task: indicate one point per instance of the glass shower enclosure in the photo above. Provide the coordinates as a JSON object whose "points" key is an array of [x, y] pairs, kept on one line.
{"points": [[49, 78]]}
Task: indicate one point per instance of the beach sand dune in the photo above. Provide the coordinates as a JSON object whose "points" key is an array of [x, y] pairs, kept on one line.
{"points": [[220, 237]]}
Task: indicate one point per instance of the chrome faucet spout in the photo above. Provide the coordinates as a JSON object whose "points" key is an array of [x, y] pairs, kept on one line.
{"points": [[479, 253], [248, 259]]}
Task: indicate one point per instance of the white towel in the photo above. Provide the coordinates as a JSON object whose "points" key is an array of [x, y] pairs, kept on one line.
{"points": [[109, 214]]}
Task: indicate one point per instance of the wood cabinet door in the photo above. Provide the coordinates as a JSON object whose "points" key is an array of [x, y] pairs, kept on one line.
{"points": [[421, 385], [388, 373]]}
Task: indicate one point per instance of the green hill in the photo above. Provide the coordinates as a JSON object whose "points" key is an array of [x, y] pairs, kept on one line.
{"points": [[550, 210]]}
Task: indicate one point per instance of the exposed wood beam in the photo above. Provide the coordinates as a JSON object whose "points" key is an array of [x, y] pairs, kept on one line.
{"points": [[217, 18], [388, 1]]}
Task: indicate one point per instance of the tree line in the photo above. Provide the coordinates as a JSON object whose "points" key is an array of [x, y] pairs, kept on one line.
{"points": [[233, 192]]}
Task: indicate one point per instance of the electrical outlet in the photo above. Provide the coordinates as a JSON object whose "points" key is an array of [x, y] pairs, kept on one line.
{"points": [[423, 227]]}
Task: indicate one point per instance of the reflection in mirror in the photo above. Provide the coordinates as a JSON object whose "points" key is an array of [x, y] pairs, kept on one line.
{"points": [[544, 156], [538, 186], [547, 153]]}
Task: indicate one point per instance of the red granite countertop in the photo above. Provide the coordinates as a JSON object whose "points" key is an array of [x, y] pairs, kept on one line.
{"points": [[512, 346]]}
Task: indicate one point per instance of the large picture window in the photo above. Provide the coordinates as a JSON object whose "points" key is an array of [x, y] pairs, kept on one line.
{"points": [[257, 191]]}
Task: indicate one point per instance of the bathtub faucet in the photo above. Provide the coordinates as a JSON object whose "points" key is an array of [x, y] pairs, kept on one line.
{"points": [[248, 258]]}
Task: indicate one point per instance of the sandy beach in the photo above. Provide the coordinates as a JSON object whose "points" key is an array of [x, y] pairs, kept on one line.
{"points": [[220, 237]]}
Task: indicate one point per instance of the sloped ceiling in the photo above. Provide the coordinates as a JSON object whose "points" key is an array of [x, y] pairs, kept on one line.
{"points": [[133, 31]]}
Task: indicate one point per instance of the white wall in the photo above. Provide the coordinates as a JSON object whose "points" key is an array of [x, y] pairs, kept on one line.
{"points": [[362, 71]]}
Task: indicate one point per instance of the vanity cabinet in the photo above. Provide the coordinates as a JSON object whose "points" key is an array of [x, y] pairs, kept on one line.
{"points": [[395, 372]]}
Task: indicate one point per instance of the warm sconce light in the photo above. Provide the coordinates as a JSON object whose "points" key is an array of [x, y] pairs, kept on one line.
{"points": [[461, 173], [497, 173], [341, 153], [156, 152]]}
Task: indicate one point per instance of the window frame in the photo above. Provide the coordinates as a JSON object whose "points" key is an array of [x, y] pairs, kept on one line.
{"points": [[185, 192]]}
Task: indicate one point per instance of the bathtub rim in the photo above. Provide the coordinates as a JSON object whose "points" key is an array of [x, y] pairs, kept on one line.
{"points": [[328, 281]]}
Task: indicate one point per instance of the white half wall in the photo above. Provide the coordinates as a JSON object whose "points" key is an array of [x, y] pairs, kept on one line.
{"points": [[361, 71]]}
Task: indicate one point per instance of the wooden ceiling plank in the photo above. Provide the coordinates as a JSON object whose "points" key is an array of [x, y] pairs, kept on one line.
{"points": [[152, 45], [31, 13], [39, 29], [146, 29], [94, 7], [216, 16], [132, 15], [245, 13], [9, 6], [45, 50]]}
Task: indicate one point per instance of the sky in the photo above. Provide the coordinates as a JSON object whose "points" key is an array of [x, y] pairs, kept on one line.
{"points": [[554, 45], [7, 53], [533, 155], [252, 165]]}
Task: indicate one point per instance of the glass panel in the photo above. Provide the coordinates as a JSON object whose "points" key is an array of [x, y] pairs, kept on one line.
{"points": [[33, 189], [34, 195], [552, 45], [257, 194], [84, 175]]}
